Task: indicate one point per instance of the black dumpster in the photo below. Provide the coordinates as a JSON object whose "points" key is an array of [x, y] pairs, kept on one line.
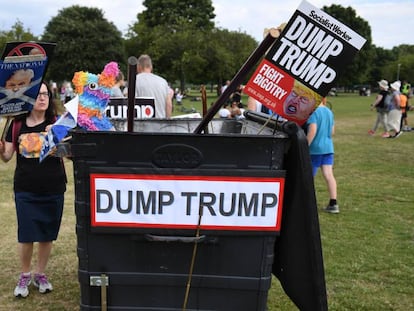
{"points": [[170, 220]]}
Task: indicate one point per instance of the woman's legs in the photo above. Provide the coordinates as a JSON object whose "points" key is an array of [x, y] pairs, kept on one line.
{"points": [[327, 172], [44, 250], [25, 255]]}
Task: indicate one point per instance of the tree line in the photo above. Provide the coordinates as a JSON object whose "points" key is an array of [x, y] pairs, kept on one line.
{"points": [[185, 45]]}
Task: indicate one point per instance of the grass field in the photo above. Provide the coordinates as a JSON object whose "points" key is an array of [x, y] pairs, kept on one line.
{"points": [[368, 248]]}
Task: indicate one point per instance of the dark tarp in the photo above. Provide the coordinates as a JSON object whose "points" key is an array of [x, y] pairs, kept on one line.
{"points": [[298, 253]]}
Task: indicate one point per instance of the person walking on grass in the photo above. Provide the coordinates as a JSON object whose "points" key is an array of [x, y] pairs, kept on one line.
{"points": [[38, 190], [381, 106], [404, 109], [394, 114], [321, 127]]}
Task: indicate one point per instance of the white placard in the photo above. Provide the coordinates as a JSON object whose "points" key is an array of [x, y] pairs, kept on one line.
{"points": [[170, 201]]}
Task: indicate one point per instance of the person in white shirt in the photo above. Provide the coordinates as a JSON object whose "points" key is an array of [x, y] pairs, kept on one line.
{"points": [[151, 85]]}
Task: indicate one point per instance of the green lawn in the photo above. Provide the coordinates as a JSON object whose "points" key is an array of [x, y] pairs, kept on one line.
{"points": [[368, 248]]}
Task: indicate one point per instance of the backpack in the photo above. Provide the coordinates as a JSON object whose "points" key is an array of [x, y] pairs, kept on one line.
{"points": [[385, 102], [17, 125], [388, 101]]}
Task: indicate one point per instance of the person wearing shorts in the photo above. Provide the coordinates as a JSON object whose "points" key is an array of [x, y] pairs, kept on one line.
{"points": [[321, 127]]}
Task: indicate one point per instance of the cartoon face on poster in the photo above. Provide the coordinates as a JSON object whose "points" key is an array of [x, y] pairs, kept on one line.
{"points": [[303, 64], [19, 85], [22, 69]]}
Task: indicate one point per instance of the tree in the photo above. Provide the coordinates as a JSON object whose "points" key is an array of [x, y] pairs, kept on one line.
{"points": [[358, 70], [226, 52], [173, 13], [173, 40], [179, 54], [400, 64], [86, 41], [380, 61], [184, 44], [17, 33]]}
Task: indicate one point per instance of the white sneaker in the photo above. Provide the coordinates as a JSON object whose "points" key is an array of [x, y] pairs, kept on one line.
{"points": [[22, 288], [41, 282]]}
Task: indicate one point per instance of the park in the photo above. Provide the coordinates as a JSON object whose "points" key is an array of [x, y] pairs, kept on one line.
{"points": [[368, 249]]}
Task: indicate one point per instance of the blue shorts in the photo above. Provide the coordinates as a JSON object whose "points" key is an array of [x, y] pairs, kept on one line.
{"points": [[321, 159], [38, 216]]}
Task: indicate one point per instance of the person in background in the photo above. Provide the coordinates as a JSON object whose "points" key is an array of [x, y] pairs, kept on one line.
{"points": [[179, 98], [406, 93], [117, 89], [171, 94], [404, 108], [224, 111], [54, 89], [38, 190], [406, 88], [321, 127], [256, 106], [69, 93], [224, 86], [62, 92], [394, 113], [382, 110], [151, 85], [236, 106]]}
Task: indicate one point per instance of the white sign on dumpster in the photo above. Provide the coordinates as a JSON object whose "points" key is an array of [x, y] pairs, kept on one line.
{"points": [[144, 108], [171, 201]]}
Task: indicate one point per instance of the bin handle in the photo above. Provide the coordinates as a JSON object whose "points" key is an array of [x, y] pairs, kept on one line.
{"points": [[287, 127], [168, 238]]}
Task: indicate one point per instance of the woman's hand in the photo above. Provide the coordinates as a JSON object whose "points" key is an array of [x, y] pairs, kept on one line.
{"points": [[2, 147]]}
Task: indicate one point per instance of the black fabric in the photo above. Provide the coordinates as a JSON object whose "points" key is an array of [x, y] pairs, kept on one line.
{"points": [[382, 102], [236, 97], [298, 252], [39, 216]]}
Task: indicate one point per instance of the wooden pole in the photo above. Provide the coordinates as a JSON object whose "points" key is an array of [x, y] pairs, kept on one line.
{"points": [[132, 77], [6, 128], [238, 78], [204, 98]]}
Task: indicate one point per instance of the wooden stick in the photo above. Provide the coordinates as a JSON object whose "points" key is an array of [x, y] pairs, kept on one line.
{"points": [[267, 42], [204, 98], [193, 257], [6, 128]]}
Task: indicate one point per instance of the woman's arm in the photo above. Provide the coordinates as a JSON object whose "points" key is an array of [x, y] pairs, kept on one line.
{"points": [[311, 132], [6, 150], [377, 101]]}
